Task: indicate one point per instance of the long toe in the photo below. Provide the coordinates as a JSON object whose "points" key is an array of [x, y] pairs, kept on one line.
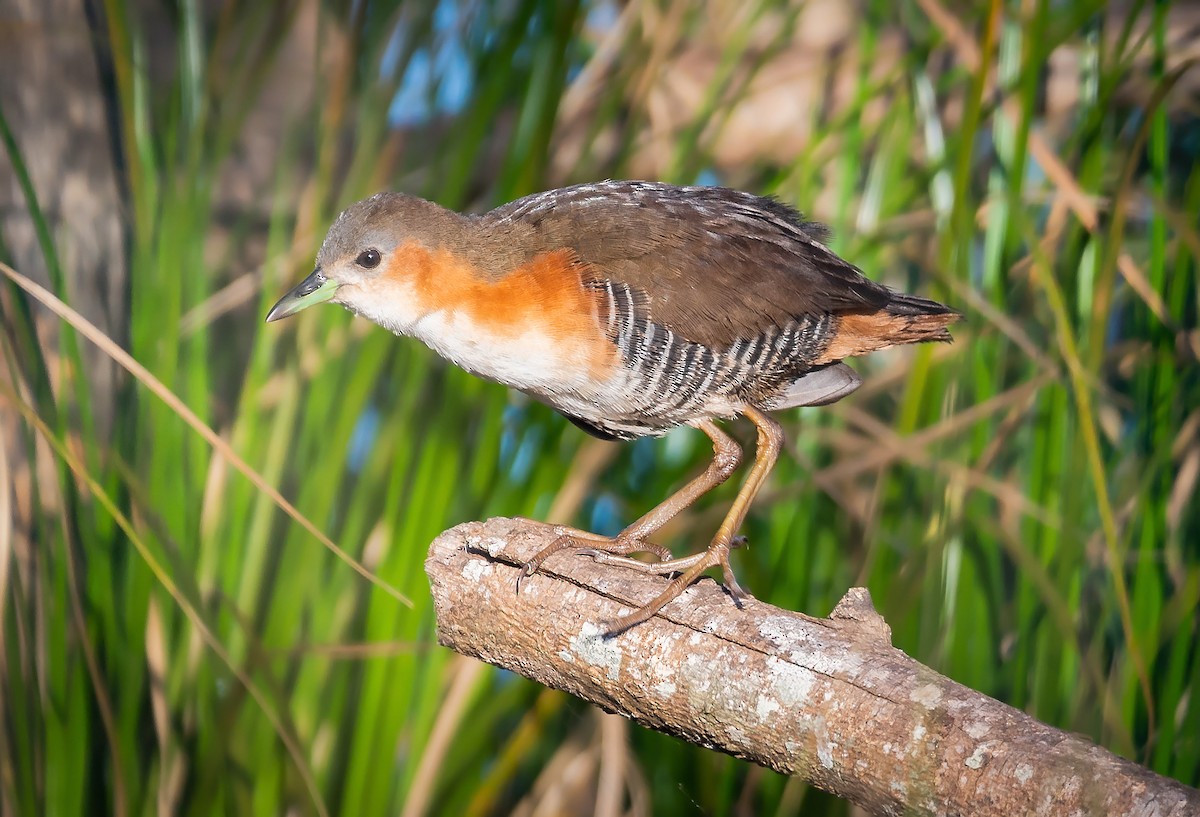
{"points": [[607, 549], [566, 538], [623, 546], [721, 554], [673, 591], [614, 554], [661, 568], [697, 565], [731, 584]]}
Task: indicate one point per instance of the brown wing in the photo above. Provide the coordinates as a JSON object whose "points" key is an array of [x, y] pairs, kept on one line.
{"points": [[713, 265]]}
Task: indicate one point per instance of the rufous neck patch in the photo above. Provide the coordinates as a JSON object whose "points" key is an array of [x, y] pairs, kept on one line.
{"points": [[544, 296]]}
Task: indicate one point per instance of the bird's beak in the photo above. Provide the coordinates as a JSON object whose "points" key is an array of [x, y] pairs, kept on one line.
{"points": [[312, 290]]}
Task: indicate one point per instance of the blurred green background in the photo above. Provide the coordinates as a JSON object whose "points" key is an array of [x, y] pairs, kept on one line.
{"points": [[1021, 504]]}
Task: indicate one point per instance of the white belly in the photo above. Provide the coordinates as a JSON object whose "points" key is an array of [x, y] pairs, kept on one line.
{"points": [[529, 360]]}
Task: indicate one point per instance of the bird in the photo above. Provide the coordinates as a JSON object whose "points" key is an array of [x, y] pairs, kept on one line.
{"points": [[632, 308]]}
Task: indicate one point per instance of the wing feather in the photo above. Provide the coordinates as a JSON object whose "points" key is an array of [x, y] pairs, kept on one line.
{"points": [[711, 264]]}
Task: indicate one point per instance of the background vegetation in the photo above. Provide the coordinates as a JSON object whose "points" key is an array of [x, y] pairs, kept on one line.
{"points": [[1021, 504]]}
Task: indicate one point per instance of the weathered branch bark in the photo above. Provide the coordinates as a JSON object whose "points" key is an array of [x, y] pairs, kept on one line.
{"points": [[829, 700]]}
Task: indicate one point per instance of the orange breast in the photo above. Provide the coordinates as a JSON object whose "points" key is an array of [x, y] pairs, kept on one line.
{"points": [[543, 298]]}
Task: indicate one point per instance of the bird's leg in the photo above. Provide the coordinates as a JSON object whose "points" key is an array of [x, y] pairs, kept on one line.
{"points": [[770, 440], [726, 458]]}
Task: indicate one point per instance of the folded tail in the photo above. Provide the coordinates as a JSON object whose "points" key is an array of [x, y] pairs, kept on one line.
{"points": [[904, 319]]}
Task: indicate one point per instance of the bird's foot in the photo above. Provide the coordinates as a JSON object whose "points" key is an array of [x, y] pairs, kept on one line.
{"points": [[665, 565], [689, 569], [615, 548]]}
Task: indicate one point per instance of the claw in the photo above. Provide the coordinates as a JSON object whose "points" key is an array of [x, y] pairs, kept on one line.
{"points": [[527, 570], [615, 550], [734, 589]]}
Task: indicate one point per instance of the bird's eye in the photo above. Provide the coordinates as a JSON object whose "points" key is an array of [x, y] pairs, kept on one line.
{"points": [[368, 259]]}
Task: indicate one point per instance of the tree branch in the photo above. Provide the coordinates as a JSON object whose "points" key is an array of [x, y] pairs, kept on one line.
{"points": [[829, 700]]}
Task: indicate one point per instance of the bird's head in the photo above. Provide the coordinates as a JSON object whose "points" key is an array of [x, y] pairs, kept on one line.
{"points": [[366, 258]]}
